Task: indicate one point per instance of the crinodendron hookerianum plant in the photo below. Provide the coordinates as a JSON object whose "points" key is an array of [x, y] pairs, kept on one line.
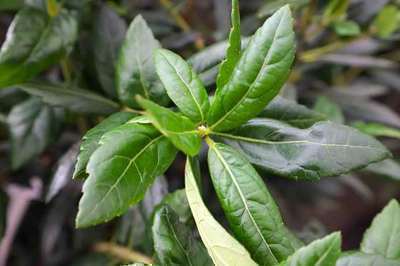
{"points": [[244, 124]]}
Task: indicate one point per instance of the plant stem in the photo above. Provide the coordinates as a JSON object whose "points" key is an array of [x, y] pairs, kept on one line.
{"points": [[66, 69], [121, 252]]}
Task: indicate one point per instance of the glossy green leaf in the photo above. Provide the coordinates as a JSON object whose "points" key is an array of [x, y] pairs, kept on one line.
{"points": [[179, 129], [383, 236], [291, 112], [182, 84], [234, 48], [330, 109], [325, 149], [108, 34], [175, 242], [362, 259], [221, 246], [71, 98], [33, 126], [121, 170], [321, 252], [90, 141], [34, 42], [377, 129], [249, 207], [258, 76], [177, 201], [136, 72]]}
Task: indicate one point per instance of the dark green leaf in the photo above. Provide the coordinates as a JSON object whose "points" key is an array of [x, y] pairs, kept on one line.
{"points": [[221, 246], [175, 242], [179, 129], [90, 142], [322, 252], [362, 259], [325, 149], [108, 34], [258, 76], [11, 5], [136, 72], [179, 204], [121, 170], [74, 99], [383, 236], [250, 209], [330, 109], [182, 85], [234, 48], [34, 42], [291, 112], [33, 126]]}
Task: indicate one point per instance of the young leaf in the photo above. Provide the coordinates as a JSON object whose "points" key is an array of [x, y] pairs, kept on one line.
{"points": [[362, 259], [179, 129], [33, 125], [34, 42], [182, 85], [121, 170], [222, 247], [90, 142], [136, 73], [323, 251], [74, 99], [291, 112], [234, 48], [325, 149], [258, 76], [376, 129], [250, 209], [108, 34], [174, 241], [383, 236]]}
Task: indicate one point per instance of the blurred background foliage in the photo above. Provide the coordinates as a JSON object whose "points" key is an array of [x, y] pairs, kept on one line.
{"points": [[347, 68]]}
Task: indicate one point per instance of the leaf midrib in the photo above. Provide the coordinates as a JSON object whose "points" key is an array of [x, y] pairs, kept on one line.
{"points": [[243, 199]]}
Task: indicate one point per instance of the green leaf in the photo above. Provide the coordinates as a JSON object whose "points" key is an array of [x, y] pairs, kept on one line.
{"points": [[347, 28], [108, 34], [335, 10], [136, 72], [33, 126], [388, 168], [179, 129], [387, 21], [177, 201], [221, 246], [291, 112], [90, 141], [121, 170], [71, 98], [175, 242], [362, 259], [325, 149], [249, 207], [182, 85], [7, 5], [234, 48], [34, 42], [323, 252], [258, 76], [383, 236], [330, 109], [377, 129]]}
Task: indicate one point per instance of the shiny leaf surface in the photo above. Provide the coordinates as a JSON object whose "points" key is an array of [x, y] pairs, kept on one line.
{"points": [[249, 207], [325, 149], [121, 170], [221, 246]]}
